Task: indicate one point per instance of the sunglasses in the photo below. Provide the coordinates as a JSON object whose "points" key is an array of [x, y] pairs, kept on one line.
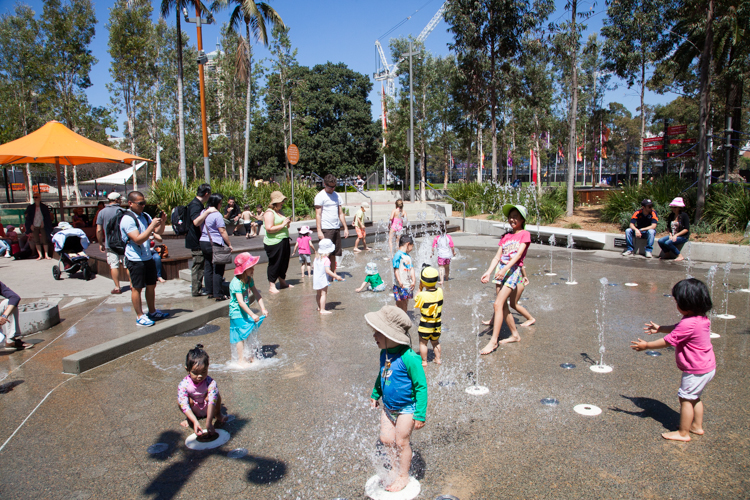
{"points": [[328, 186], [141, 203]]}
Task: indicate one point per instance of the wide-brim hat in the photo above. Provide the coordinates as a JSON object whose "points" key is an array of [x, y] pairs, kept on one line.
{"points": [[429, 277], [304, 230], [521, 210], [365, 205], [243, 262], [277, 197], [392, 322], [326, 246], [678, 202], [114, 196], [371, 269]]}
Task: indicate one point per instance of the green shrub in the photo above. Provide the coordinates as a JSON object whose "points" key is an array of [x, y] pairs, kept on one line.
{"points": [[662, 191], [169, 193], [703, 227], [727, 209], [572, 225]]}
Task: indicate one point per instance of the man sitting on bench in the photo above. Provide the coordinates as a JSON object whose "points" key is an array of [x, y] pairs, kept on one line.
{"points": [[642, 225]]}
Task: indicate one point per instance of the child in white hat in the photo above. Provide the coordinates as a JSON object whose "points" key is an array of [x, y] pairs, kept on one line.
{"points": [[321, 272], [373, 282], [402, 385]]}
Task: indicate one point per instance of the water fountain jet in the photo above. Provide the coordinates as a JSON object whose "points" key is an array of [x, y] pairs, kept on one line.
{"points": [[601, 367]]}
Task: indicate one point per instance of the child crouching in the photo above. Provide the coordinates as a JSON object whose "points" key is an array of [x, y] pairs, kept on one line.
{"points": [[198, 395], [373, 282]]}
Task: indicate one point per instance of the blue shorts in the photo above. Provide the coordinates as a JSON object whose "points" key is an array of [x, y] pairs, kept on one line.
{"points": [[393, 414], [378, 288], [402, 293]]}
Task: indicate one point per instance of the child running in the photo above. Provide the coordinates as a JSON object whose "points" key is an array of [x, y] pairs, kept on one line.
{"points": [[691, 339], [198, 395], [515, 297], [321, 272], [373, 282], [243, 322], [247, 221], [445, 250], [359, 227], [506, 273], [403, 273], [429, 301], [402, 386], [304, 242]]}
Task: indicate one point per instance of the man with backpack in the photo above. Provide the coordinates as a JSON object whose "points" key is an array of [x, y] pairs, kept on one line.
{"points": [[135, 228], [114, 260], [189, 223]]}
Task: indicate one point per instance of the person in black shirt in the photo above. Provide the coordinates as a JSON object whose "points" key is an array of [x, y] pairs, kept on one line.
{"points": [[232, 214], [193, 236], [642, 225], [678, 227]]}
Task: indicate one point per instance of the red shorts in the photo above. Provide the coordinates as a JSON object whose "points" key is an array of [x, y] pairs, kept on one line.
{"points": [[361, 232]]}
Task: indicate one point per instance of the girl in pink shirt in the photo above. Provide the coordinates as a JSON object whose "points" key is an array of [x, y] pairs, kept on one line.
{"points": [[198, 395], [691, 338]]}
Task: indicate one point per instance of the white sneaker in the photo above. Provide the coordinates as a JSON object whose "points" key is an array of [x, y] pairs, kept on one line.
{"points": [[648, 255], [627, 252]]}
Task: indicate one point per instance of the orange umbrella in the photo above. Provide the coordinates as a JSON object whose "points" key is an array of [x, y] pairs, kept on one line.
{"points": [[56, 143]]}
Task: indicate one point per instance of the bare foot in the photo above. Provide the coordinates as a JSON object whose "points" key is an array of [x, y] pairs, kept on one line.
{"points": [[220, 420], [512, 338], [161, 280], [679, 258], [39, 258], [675, 436], [356, 250], [48, 257], [699, 432], [272, 289], [438, 361], [185, 424], [285, 285], [487, 323], [424, 364], [490, 347], [398, 485], [325, 312], [529, 322]]}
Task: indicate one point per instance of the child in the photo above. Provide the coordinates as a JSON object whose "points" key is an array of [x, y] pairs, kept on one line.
{"points": [[359, 226], [242, 321], [247, 221], [513, 248], [397, 223], [403, 273], [198, 395], [303, 244], [402, 386], [429, 301], [515, 297], [321, 272], [257, 220], [444, 244], [691, 338], [373, 281]]}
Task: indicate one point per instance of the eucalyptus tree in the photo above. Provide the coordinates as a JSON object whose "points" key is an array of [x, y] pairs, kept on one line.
{"points": [[255, 15]]}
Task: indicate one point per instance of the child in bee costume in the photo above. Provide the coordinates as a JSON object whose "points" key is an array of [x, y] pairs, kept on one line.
{"points": [[429, 302]]}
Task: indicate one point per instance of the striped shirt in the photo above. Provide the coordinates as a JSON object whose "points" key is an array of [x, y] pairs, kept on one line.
{"points": [[430, 305]]}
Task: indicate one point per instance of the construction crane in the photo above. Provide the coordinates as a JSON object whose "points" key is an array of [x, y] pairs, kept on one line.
{"points": [[387, 72]]}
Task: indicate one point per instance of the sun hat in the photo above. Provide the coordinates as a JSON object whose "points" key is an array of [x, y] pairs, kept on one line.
{"points": [[429, 277], [365, 205], [304, 230], [678, 202], [647, 203], [326, 246], [243, 262], [371, 269], [277, 197], [64, 225], [392, 322], [114, 195], [521, 210]]}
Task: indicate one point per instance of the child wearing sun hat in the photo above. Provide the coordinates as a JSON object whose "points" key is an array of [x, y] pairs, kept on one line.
{"points": [[373, 282], [243, 322], [402, 386]]}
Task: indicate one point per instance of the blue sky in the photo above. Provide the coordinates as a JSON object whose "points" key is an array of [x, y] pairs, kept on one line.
{"points": [[338, 31]]}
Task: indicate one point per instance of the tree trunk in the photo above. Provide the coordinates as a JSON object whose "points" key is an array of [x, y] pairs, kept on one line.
{"points": [[75, 185], [446, 160], [643, 123], [572, 113], [247, 108], [536, 155], [180, 103], [480, 155], [423, 150], [30, 191], [493, 110], [67, 187], [704, 114], [135, 179]]}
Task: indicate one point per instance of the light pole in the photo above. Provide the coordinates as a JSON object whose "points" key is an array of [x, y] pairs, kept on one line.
{"points": [[411, 122], [202, 59]]}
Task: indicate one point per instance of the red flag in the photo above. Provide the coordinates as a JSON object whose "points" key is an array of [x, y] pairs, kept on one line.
{"points": [[579, 156], [533, 166]]}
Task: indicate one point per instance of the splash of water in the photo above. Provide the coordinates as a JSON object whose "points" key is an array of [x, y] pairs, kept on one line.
{"points": [[727, 270], [571, 242], [689, 260], [552, 243]]}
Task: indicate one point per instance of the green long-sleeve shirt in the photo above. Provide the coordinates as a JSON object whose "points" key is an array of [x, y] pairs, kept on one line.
{"points": [[402, 382]]}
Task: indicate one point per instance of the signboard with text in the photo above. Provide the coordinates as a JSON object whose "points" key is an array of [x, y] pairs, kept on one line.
{"points": [[652, 139], [677, 129], [688, 154], [653, 148], [292, 153], [683, 141]]}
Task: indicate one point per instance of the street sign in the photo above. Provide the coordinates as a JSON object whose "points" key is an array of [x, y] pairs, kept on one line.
{"points": [[677, 129], [689, 154], [652, 139], [292, 153], [653, 148], [683, 141]]}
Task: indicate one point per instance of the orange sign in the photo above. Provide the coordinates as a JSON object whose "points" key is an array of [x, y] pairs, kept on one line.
{"points": [[292, 153], [18, 186], [44, 187]]}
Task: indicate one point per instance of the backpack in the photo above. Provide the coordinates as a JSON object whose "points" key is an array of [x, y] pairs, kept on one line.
{"points": [[179, 220], [114, 237]]}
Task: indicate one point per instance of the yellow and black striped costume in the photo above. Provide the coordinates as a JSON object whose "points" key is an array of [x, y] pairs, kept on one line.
{"points": [[430, 305]]}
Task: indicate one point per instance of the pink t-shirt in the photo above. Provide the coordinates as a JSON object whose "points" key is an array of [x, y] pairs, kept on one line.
{"points": [[304, 244], [511, 243], [691, 339]]}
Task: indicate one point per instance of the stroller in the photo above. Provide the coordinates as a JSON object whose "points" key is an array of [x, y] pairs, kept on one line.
{"points": [[71, 244]]}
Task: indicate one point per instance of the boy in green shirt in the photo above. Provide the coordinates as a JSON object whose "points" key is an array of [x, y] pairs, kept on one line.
{"points": [[373, 282]]}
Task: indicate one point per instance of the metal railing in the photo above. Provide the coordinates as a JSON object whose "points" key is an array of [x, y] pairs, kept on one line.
{"points": [[346, 198], [463, 217]]}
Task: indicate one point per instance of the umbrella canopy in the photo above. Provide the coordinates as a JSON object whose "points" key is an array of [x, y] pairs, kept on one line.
{"points": [[118, 178], [56, 143]]}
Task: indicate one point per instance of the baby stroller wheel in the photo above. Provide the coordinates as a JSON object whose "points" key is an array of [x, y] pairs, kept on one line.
{"points": [[87, 273], [56, 272]]}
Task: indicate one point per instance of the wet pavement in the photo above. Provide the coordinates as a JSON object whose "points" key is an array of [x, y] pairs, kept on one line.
{"points": [[302, 413]]}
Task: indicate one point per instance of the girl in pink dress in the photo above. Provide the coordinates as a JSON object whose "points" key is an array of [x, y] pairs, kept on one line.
{"points": [[397, 223], [691, 339], [198, 395]]}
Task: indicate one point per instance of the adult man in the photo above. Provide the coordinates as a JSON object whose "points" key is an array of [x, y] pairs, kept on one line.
{"points": [[102, 220], [232, 214], [329, 217], [642, 225], [193, 236], [135, 228]]}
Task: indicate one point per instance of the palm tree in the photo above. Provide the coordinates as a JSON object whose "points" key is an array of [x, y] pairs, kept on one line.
{"points": [[178, 5], [255, 15]]}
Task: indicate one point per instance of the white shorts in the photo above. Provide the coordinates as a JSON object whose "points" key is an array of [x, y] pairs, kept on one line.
{"points": [[114, 260], [692, 385]]}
